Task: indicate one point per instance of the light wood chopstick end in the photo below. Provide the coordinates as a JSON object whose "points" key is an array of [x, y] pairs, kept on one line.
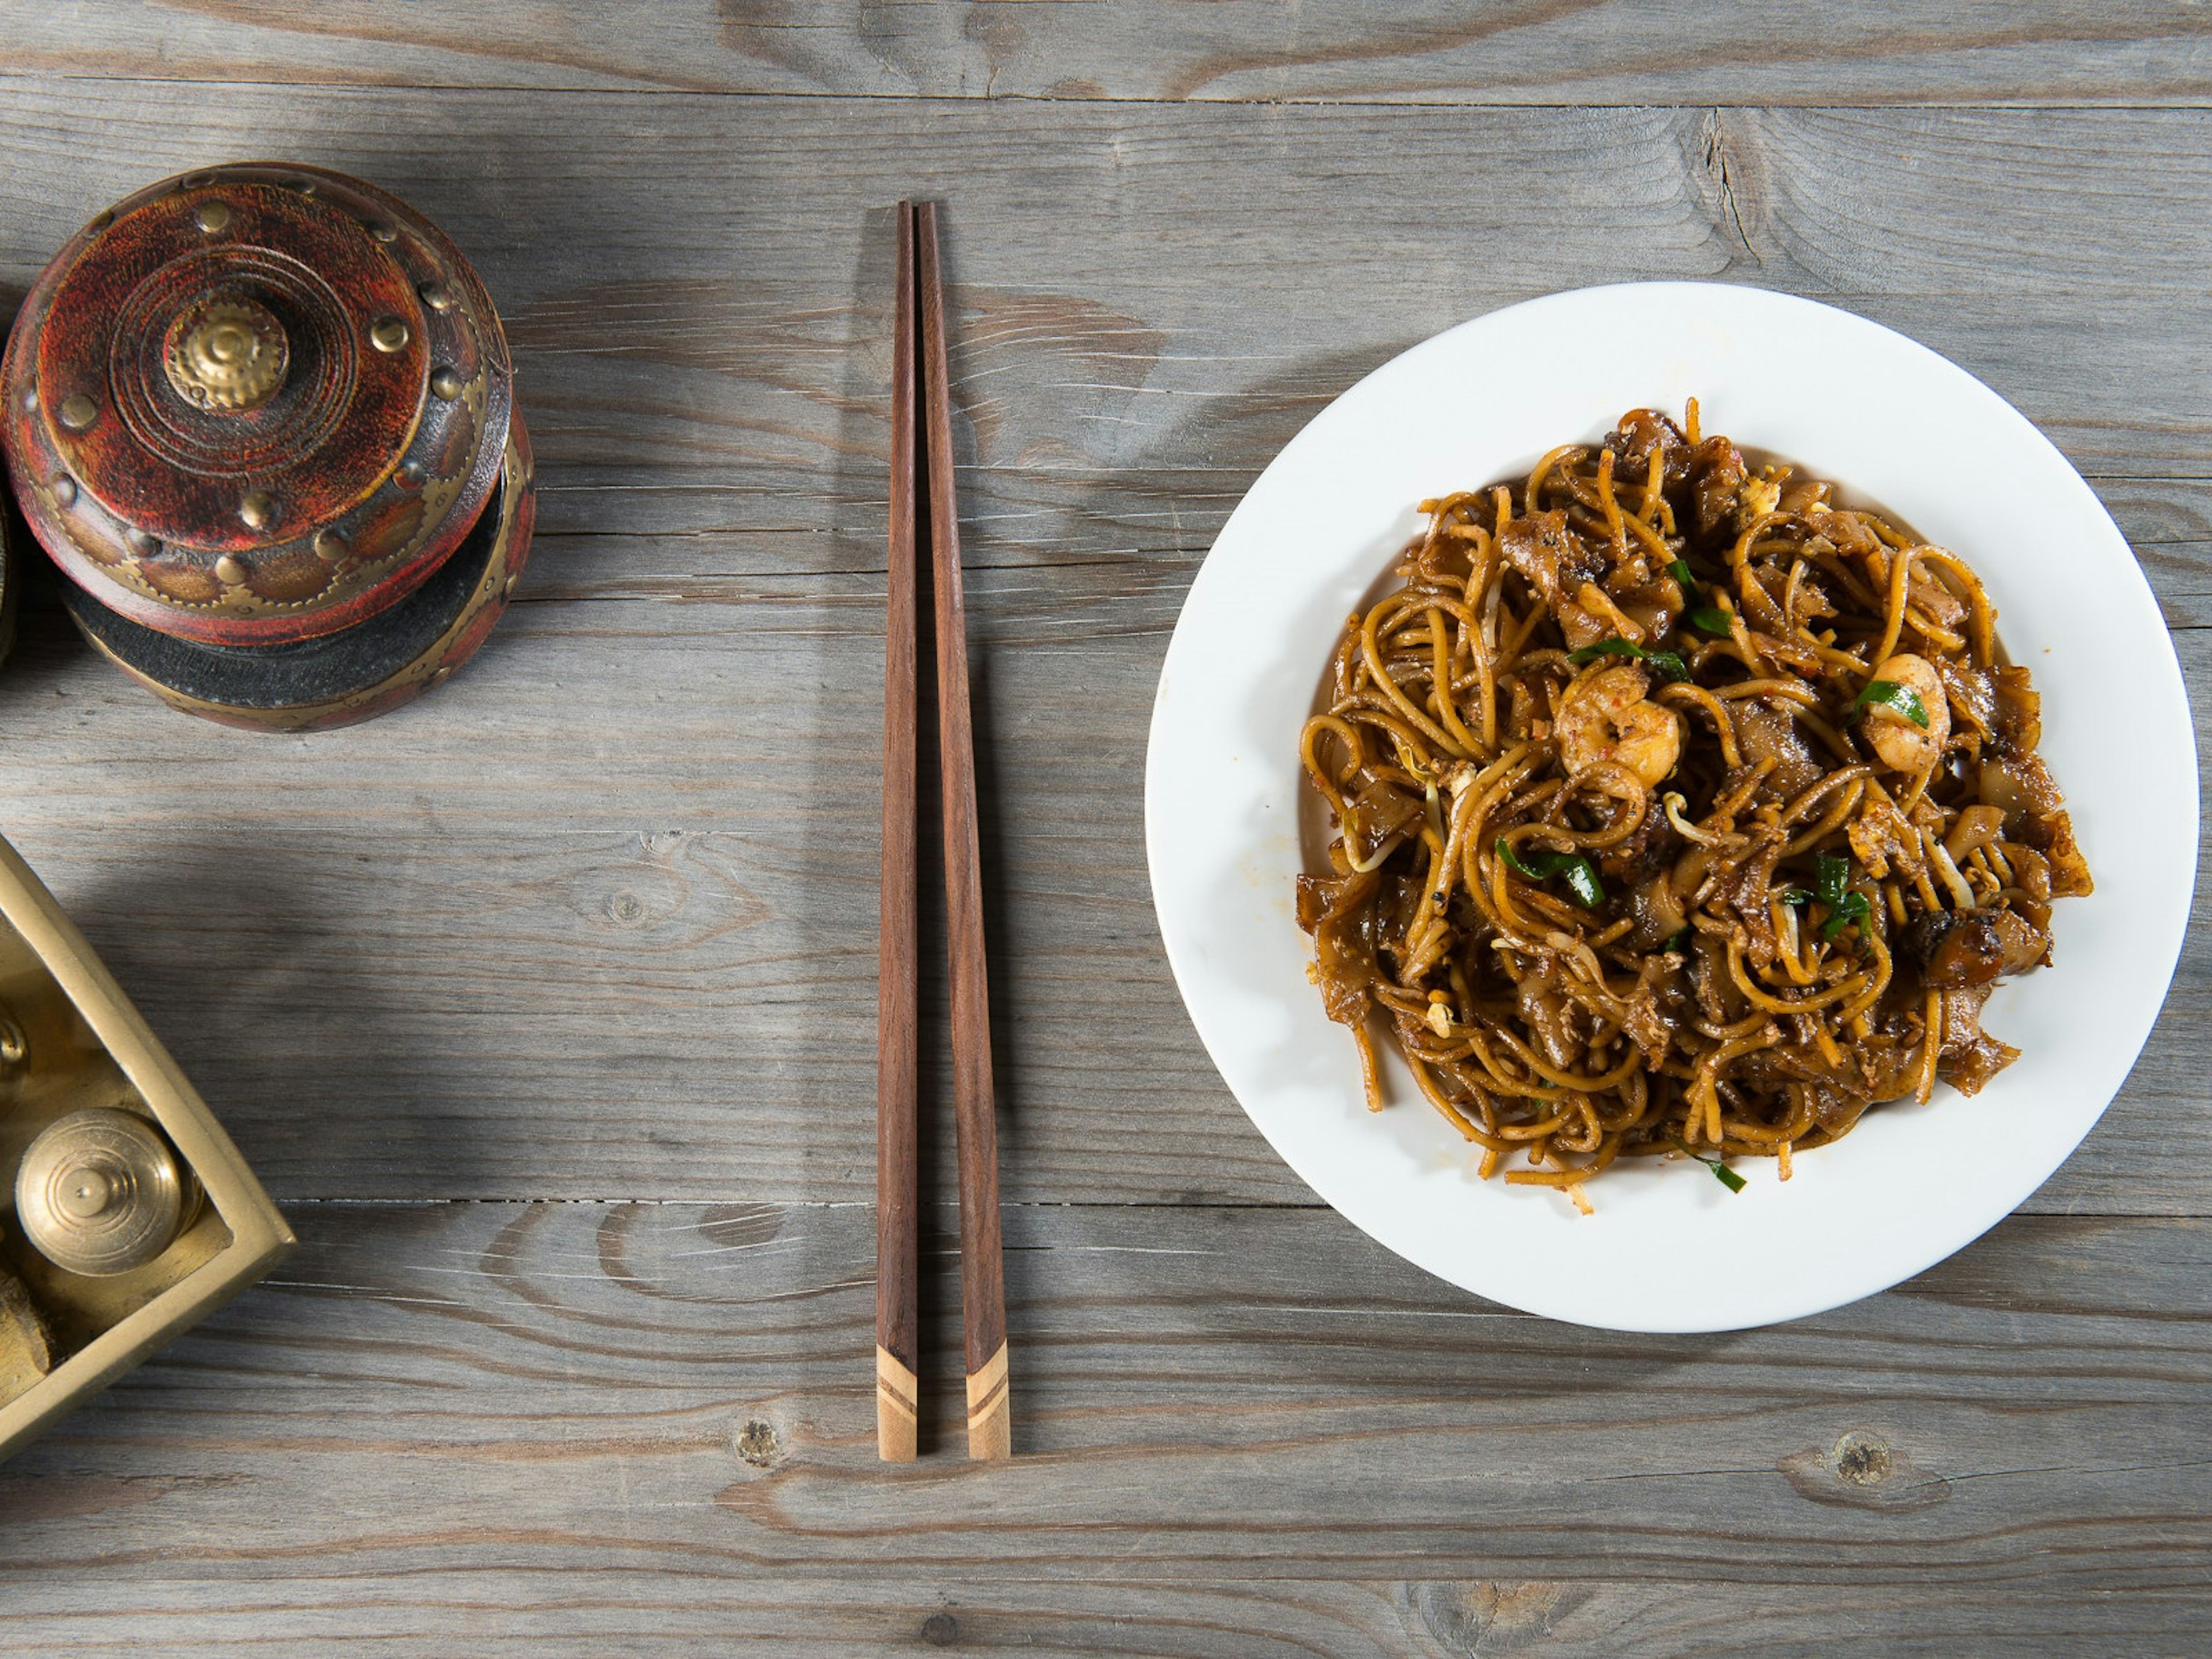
{"points": [[896, 1391], [990, 1410]]}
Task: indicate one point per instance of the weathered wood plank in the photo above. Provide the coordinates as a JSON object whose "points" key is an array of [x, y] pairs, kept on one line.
{"points": [[1151, 291], [1121, 388], [1599, 52], [597, 919], [653, 1423], [572, 1612], [1144, 323]]}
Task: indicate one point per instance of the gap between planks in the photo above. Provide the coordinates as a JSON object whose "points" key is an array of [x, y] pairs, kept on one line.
{"points": [[1289, 101]]}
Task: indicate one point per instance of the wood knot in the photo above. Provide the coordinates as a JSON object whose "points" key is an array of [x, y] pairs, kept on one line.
{"points": [[1861, 1460], [940, 1629], [1471, 1621], [1863, 1471], [759, 1444]]}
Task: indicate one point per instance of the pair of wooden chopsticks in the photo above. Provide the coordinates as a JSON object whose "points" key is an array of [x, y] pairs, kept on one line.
{"points": [[919, 377]]}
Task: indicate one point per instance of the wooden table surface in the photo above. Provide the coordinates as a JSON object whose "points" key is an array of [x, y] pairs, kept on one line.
{"points": [[546, 1007]]}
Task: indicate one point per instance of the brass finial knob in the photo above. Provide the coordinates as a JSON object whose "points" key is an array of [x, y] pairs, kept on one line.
{"points": [[227, 354], [101, 1193]]}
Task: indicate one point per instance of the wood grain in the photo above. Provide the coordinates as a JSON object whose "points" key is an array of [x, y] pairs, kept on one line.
{"points": [[1166, 293], [975, 1102], [898, 936], [592, 922], [641, 1423], [1592, 51]]}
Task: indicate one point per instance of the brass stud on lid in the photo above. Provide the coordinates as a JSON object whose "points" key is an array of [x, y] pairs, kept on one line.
{"points": [[13, 1044], [258, 507], [101, 1193], [446, 382], [230, 571], [65, 491], [382, 232], [389, 334], [143, 543], [78, 411], [194, 180], [212, 217], [330, 546], [436, 295]]}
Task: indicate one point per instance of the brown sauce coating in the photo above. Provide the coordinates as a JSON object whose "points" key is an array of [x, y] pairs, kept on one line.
{"points": [[1675, 806]]}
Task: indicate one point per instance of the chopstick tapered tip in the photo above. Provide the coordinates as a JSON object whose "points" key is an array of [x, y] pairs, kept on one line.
{"points": [[896, 1391], [990, 1410]]}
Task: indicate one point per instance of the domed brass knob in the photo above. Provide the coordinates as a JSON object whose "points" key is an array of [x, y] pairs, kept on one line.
{"points": [[227, 354], [101, 1193]]}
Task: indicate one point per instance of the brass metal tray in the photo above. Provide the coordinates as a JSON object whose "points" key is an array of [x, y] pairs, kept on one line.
{"points": [[69, 1040]]}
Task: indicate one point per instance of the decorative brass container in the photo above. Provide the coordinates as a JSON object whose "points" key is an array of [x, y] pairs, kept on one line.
{"points": [[128, 1213], [258, 406], [99, 1193]]}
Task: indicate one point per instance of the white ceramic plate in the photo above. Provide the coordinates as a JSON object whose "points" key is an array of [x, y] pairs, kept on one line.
{"points": [[1669, 1249]]}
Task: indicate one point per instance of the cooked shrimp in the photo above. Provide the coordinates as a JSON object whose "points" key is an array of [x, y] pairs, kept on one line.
{"points": [[1900, 743], [1605, 716]]}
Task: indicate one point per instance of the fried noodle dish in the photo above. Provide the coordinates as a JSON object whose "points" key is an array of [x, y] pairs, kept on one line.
{"points": [[1679, 809]]}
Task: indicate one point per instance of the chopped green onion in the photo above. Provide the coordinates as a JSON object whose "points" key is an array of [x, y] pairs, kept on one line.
{"points": [[1678, 946], [1541, 865], [1669, 665], [1832, 879], [1854, 908], [1898, 699], [1680, 573], [1581, 881], [1728, 1177], [1831, 888], [1832, 882], [1584, 653], [1537, 867], [1710, 619]]}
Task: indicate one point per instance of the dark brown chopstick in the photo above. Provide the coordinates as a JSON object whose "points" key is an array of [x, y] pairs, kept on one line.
{"points": [[982, 1272], [898, 1341]]}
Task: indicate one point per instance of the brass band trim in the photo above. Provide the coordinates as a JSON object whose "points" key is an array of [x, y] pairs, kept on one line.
{"points": [[510, 551]]}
